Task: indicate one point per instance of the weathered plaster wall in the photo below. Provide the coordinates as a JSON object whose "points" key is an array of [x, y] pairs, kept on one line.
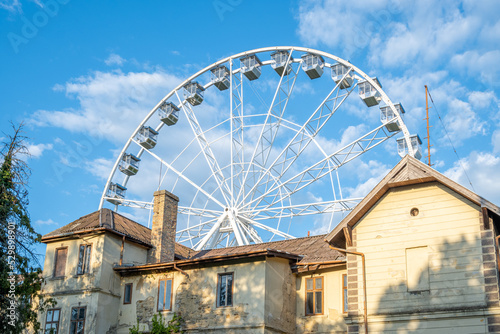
{"points": [[194, 298], [134, 254], [71, 281], [279, 296], [332, 320], [98, 290]]}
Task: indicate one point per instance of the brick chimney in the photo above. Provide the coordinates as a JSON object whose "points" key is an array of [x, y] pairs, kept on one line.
{"points": [[164, 225]]}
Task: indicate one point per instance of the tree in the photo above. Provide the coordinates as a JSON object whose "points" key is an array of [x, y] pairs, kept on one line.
{"points": [[20, 272]]}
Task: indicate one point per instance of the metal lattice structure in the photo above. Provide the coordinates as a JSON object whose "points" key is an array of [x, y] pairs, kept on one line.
{"points": [[245, 174]]}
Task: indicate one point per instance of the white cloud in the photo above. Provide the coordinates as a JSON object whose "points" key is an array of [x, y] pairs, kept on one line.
{"points": [[100, 167], [482, 168], [483, 100], [462, 122], [46, 222], [369, 175], [485, 64], [11, 5], [495, 141], [114, 59], [397, 33], [111, 104], [36, 151], [351, 25]]}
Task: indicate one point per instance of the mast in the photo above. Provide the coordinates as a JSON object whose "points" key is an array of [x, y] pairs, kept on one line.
{"points": [[428, 126]]}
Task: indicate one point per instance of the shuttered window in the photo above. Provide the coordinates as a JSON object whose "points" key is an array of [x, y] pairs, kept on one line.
{"points": [[60, 262], [417, 269]]}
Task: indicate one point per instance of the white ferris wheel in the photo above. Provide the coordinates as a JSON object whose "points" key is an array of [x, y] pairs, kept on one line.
{"points": [[250, 145]]}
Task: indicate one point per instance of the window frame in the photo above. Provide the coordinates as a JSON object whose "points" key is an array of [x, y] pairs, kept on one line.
{"points": [[164, 294], [71, 321], [219, 276], [52, 322], [131, 285], [86, 259], [344, 294], [55, 262], [314, 290]]}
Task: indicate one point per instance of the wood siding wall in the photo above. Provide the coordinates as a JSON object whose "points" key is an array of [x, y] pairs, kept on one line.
{"points": [[450, 228]]}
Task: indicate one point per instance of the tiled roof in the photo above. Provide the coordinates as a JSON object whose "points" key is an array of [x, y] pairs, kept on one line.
{"points": [[313, 249], [107, 219]]}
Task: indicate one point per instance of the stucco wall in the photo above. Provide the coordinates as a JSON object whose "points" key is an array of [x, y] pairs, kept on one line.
{"points": [[332, 320], [194, 298], [71, 281], [98, 290], [279, 296]]}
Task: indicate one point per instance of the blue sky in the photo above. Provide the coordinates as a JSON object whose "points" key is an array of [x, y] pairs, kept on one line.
{"points": [[82, 74]]}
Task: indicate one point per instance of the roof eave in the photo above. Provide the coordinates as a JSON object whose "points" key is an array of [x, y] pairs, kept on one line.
{"points": [[46, 239], [212, 259], [335, 237]]}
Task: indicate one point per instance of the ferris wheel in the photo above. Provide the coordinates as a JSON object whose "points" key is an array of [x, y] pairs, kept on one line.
{"points": [[251, 145]]}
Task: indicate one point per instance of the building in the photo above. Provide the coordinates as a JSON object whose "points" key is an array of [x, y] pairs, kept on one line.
{"points": [[418, 254]]}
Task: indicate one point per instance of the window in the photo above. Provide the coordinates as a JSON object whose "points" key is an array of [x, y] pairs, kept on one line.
{"points": [[60, 262], [417, 269], [165, 295], [314, 295], [344, 293], [52, 321], [225, 290], [77, 325], [84, 259], [127, 294]]}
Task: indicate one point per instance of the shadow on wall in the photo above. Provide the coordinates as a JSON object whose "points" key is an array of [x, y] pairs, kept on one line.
{"points": [[195, 300], [454, 279]]}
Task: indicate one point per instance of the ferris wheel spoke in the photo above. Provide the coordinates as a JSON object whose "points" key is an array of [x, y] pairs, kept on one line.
{"points": [[185, 178], [198, 212], [206, 149], [274, 116], [214, 230], [251, 232], [305, 135], [329, 164], [305, 209], [237, 122], [200, 225], [267, 228]]}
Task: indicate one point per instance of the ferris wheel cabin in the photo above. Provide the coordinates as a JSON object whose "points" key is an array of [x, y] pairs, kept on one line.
{"points": [[386, 115], [250, 66], [340, 71], [194, 93], [129, 165], [147, 137], [169, 113], [280, 59], [115, 193], [313, 65], [220, 77], [369, 94], [416, 145]]}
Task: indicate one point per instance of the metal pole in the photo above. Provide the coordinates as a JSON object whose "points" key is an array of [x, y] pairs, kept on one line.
{"points": [[428, 133]]}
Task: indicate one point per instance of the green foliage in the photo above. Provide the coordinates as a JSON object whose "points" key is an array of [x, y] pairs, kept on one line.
{"points": [[20, 272], [160, 327], [135, 329]]}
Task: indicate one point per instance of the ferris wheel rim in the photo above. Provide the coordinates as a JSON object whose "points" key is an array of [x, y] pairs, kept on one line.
{"points": [[229, 60]]}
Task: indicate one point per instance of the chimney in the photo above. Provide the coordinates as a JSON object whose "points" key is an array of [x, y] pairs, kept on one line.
{"points": [[164, 225]]}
